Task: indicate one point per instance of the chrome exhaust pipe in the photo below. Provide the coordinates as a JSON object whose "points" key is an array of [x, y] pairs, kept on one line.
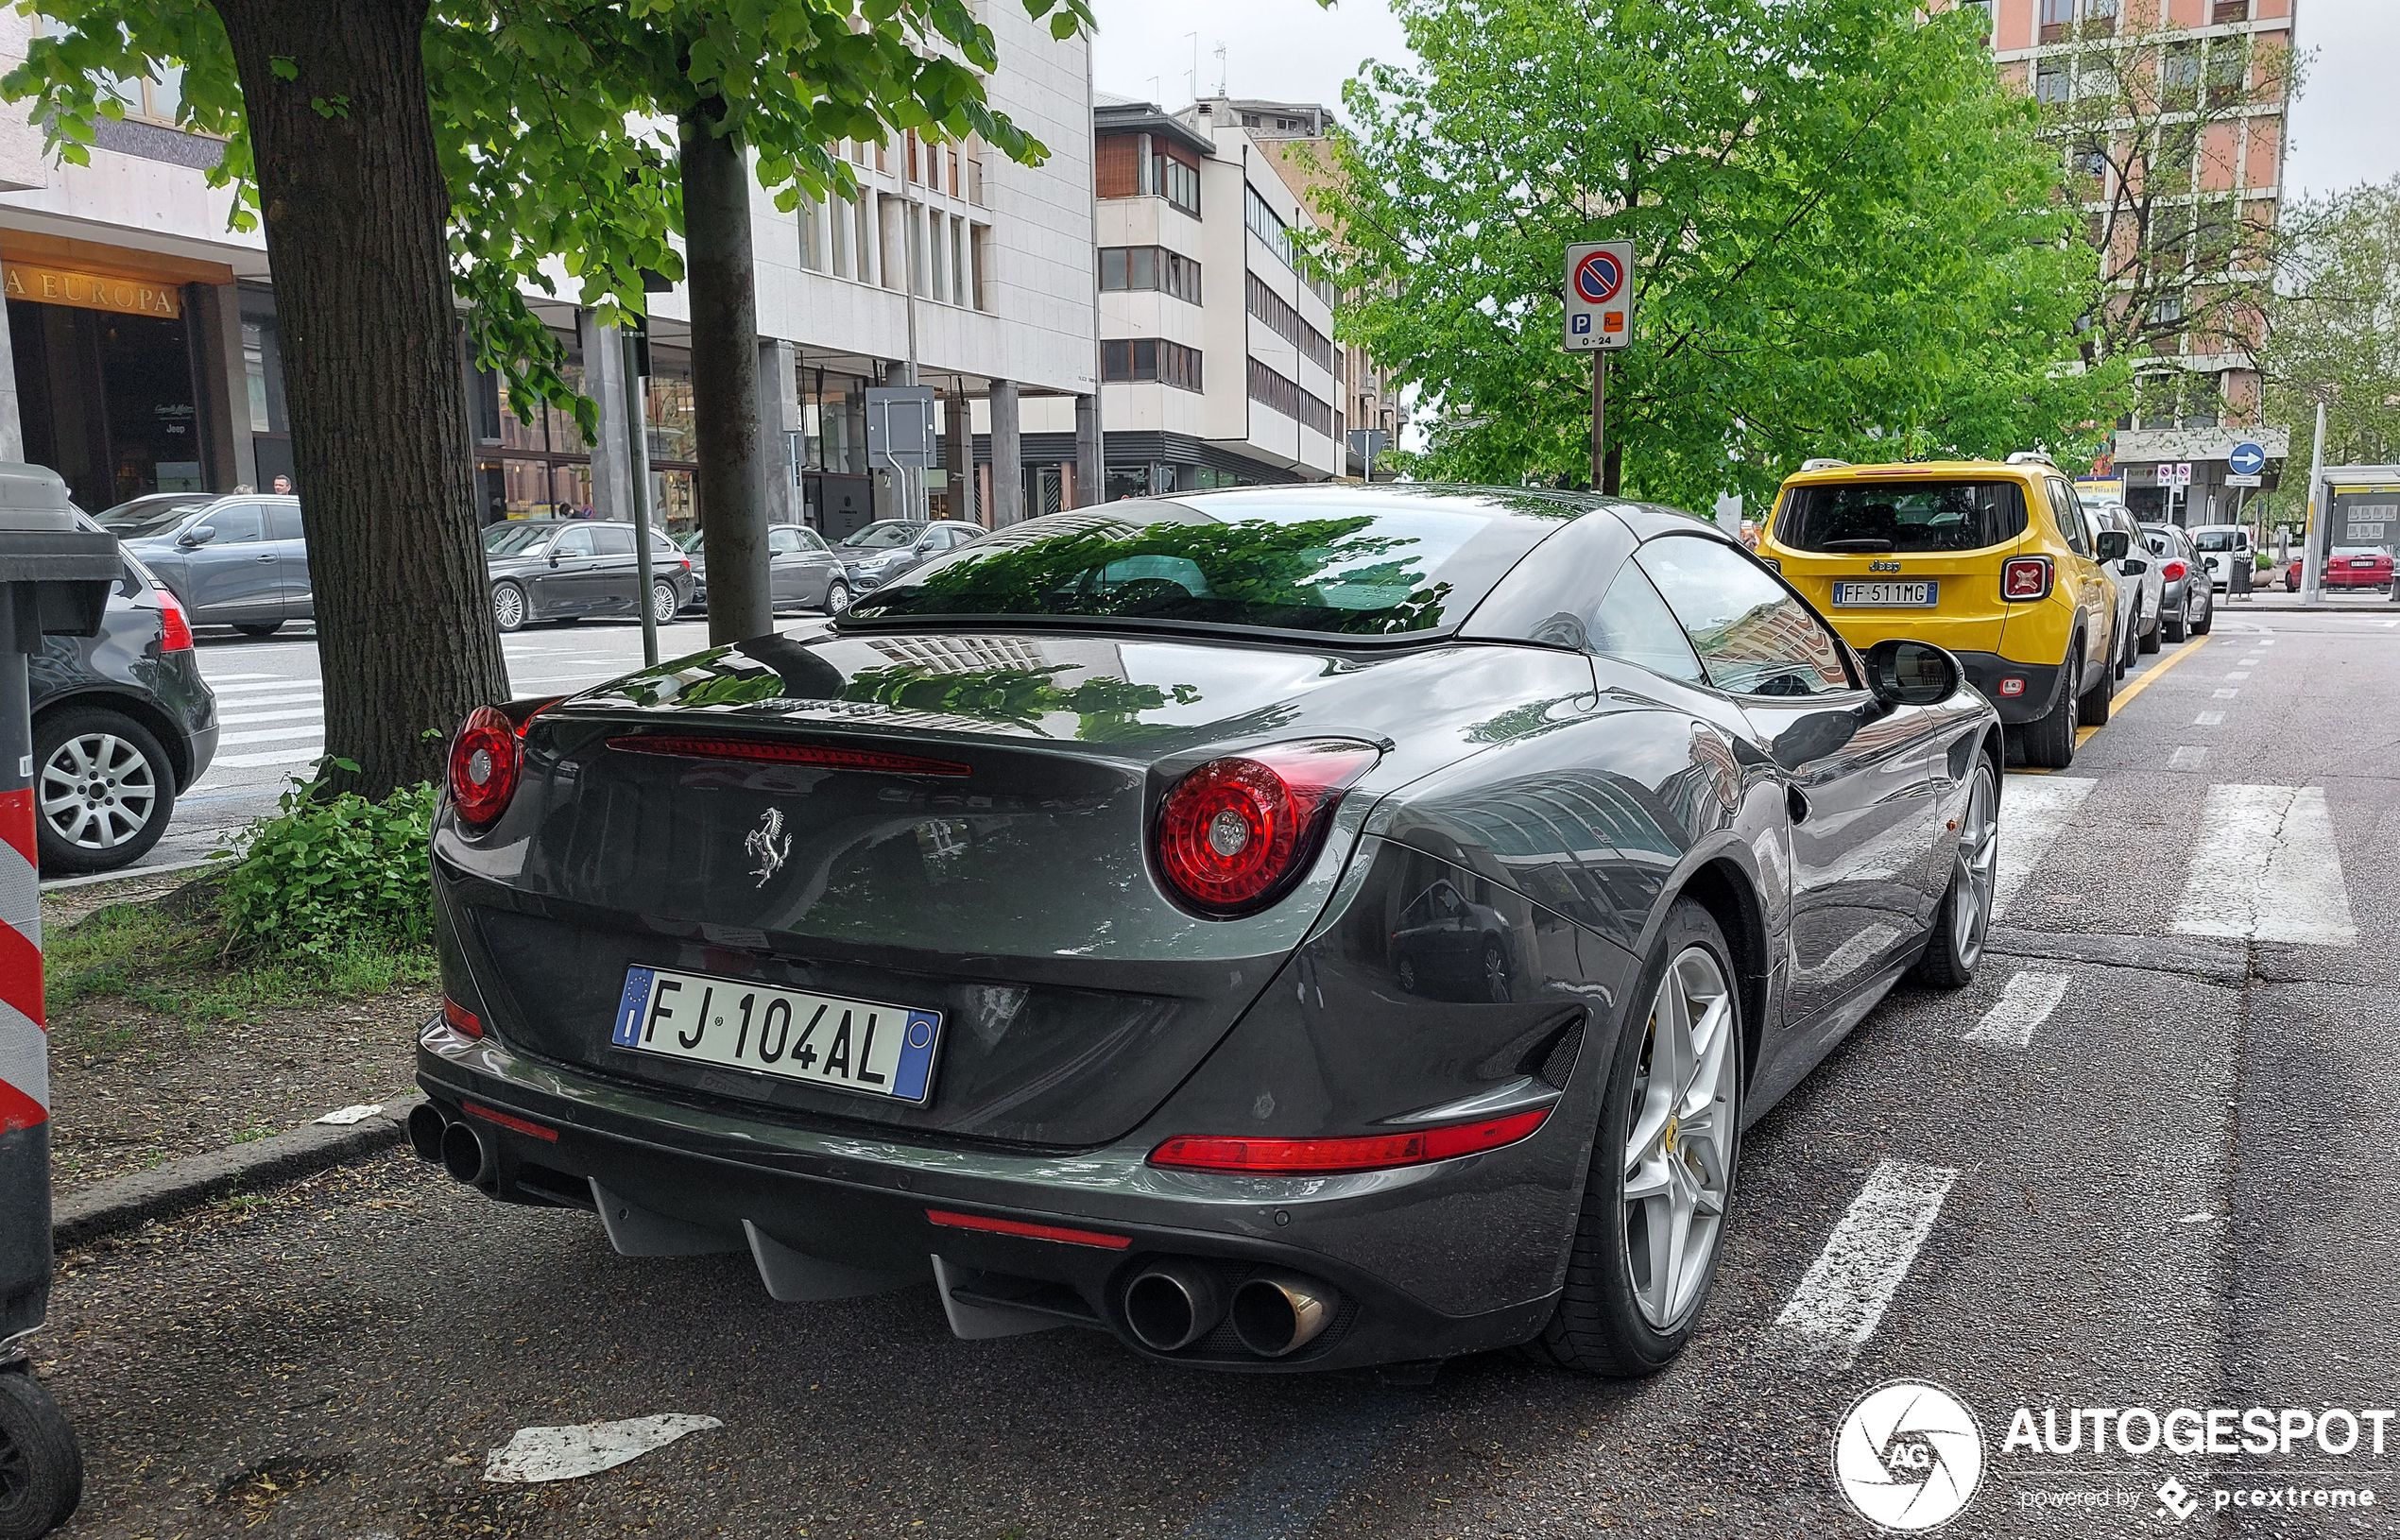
{"points": [[426, 1126], [1278, 1313], [467, 1156], [1173, 1305]]}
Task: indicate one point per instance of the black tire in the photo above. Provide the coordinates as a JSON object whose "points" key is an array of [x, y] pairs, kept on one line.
{"points": [[259, 628], [663, 604], [2050, 741], [837, 597], [510, 608], [1598, 1326], [2125, 653], [2150, 638], [2207, 618], [2177, 627], [1954, 948], [41, 1466], [103, 790], [2093, 707]]}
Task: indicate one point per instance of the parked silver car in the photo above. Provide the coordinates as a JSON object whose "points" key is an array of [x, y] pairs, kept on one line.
{"points": [[803, 571], [2140, 588], [2188, 603], [238, 560], [888, 547]]}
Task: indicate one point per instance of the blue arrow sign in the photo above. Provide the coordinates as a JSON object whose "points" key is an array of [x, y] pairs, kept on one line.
{"points": [[2246, 460]]}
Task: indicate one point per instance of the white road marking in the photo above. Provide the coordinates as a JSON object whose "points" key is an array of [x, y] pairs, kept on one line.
{"points": [[265, 689], [2026, 1002], [2223, 695], [2249, 662], [558, 1454], [1848, 1289], [2267, 866], [295, 713], [2033, 810], [218, 680], [2235, 675], [298, 754], [297, 732], [2188, 757], [2209, 719]]}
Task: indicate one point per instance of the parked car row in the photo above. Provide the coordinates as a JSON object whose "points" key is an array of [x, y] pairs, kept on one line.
{"points": [[2347, 566]]}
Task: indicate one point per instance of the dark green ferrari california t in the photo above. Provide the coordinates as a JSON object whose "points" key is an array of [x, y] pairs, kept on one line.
{"points": [[1286, 928]]}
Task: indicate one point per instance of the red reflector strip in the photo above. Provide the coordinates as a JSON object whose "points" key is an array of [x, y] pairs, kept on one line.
{"points": [[1323, 1157], [1018, 1226], [822, 755], [509, 1121], [460, 1017]]}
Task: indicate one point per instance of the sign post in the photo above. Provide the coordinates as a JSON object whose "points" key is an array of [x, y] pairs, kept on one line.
{"points": [[1599, 320]]}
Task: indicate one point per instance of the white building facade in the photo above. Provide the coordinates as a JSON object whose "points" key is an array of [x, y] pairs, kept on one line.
{"points": [[145, 352]]}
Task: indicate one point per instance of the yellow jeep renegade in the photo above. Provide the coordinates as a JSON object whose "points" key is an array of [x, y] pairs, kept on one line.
{"points": [[1997, 563]]}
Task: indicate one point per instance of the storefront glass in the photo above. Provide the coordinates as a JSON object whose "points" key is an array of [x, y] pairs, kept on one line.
{"points": [[106, 399]]}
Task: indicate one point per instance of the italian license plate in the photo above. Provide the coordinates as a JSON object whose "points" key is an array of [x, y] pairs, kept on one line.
{"points": [[865, 1046], [1888, 595]]}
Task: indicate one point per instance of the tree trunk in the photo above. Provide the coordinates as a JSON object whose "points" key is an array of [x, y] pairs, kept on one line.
{"points": [[356, 211], [725, 381]]}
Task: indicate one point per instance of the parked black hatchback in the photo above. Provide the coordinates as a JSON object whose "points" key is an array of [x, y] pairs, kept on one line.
{"points": [[123, 724]]}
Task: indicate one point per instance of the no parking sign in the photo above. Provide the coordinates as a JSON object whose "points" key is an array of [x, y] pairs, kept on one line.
{"points": [[1599, 296]]}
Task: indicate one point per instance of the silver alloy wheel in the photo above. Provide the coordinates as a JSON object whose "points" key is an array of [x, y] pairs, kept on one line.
{"points": [[662, 602], [1979, 866], [837, 598], [508, 607], [99, 790], [1678, 1179]]}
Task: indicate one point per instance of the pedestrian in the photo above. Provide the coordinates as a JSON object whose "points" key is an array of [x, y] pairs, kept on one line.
{"points": [[283, 487]]}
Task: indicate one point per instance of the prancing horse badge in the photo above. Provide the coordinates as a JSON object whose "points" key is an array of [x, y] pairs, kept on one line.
{"points": [[769, 844]]}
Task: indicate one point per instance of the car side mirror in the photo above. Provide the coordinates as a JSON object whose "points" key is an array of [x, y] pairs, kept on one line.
{"points": [[554, 556], [1904, 672], [196, 535], [2113, 543]]}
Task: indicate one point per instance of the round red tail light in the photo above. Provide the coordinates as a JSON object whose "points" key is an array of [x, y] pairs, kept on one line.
{"points": [[1234, 832], [484, 759]]}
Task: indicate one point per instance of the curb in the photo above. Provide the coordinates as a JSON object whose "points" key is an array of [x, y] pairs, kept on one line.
{"points": [[123, 1202]]}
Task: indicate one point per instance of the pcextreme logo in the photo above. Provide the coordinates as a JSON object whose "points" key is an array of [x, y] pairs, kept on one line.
{"points": [[1909, 1456]]}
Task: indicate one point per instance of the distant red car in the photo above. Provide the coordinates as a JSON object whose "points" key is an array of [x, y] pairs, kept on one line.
{"points": [[2348, 566]]}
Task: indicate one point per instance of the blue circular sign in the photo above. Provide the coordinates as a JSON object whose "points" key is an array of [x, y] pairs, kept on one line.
{"points": [[2247, 459], [1598, 278]]}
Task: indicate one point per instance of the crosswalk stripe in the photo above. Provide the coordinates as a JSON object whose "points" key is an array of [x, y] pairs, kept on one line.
{"points": [[219, 680], [2267, 867], [292, 698], [2026, 1002], [298, 754], [2033, 810], [2209, 719], [293, 713], [295, 732], [264, 689], [1842, 1300], [2188, 757]]}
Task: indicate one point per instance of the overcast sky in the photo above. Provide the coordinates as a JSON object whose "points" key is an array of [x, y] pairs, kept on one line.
{"points": [[2346, 128]]}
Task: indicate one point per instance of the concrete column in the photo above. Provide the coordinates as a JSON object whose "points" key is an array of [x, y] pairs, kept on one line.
{"points": [[958, 455], [1091, 481], [778, 414], [11, 425], [1008, 464], [212, 318], [604, 382]]}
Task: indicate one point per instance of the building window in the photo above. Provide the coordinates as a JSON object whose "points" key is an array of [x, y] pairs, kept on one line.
{"points": [[2099, 16], [1289, 324], [1141, 359], [2180, 72], [981, 277], [1266, 223], [1178, 182], [1150, 268], [1278, 394], [2227, 11], [2051, 81], [1981, 10], [2057, 16], [2227, 71], [959, 293]]}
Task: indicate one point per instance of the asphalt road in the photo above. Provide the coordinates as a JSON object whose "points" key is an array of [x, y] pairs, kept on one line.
{"points": [[2146, 1161]]}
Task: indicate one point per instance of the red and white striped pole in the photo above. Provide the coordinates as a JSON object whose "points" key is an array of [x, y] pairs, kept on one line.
{"points": [[25, 1045]]}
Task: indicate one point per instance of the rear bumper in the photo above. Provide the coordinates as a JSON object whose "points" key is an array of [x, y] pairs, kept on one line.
{"points": [[845, 1214], [2037, 685]]}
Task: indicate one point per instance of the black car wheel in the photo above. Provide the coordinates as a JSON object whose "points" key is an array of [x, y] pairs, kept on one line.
{"points": [[2207, 616], [41, 1468], [2178, 625], [2150, 640], [2092, 710], [103, 790], [837, 597], [2050, 741], [508, 610], [663, 603], [1956, 945], [1496, 985], [260, 629], [1661, 1181]]}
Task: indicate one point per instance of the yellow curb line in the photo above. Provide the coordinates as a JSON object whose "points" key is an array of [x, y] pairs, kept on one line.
{"points": [[2084, 735]]}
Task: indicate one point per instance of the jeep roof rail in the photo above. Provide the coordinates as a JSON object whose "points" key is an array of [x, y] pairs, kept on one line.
{"points": [[2033, 456], [1807, 465]]}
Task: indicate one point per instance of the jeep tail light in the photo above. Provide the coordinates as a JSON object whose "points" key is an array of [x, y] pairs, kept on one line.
{"points": [[174, 627], [485, 755], [1252, 1157], [2173, 572], [2025, 577], [1234, 833]]}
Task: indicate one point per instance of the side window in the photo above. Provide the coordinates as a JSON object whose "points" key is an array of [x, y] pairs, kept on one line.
{"points": [[236, 524], [1634, 624], [780, 540], [1752, 635], [572, 543], [612, 539], [809, 540], [283, 521], [2069, 510]]}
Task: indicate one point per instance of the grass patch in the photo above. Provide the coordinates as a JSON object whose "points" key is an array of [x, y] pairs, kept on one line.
{"points": [[172, 958]]}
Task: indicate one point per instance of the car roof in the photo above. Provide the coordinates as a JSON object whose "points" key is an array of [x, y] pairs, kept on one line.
{"points": [[1836, 475]]}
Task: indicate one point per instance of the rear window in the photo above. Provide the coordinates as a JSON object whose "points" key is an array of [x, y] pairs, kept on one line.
{"points": [[1350, 564], [2216, 540], [1902, 516]]}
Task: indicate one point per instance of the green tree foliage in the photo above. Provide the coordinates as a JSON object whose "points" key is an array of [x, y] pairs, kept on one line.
{"points": [[2334, 332], [1849, 238]]}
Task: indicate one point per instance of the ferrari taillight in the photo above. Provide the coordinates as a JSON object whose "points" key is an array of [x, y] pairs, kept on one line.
{"points": [[2173, 572], [1234, 833], [484, 759], [2024, 579]]}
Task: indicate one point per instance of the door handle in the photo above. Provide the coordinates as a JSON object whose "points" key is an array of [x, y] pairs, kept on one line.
{"points": [[1796, 802], [268, 556]]}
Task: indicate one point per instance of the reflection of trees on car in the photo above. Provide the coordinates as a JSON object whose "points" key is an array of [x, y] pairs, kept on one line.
{"points": [[1105, 708]]}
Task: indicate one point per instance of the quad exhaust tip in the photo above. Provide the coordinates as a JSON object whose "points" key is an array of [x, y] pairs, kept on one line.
{"points": [[1173, 1305], [467, 1156], [426, 1126], [1277, 1314]]}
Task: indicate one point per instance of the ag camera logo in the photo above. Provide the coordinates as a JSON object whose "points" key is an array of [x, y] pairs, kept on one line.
{"points": [[1907, 1456]]}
